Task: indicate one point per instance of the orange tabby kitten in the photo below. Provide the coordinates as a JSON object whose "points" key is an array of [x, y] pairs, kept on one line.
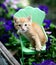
{"points": [[32, 31]]}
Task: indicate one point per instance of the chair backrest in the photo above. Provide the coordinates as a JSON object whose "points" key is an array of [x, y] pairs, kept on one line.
{"points": [[36, 14]]}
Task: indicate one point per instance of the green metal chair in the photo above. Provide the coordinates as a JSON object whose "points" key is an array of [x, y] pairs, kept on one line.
{"points": [[37, 17]]}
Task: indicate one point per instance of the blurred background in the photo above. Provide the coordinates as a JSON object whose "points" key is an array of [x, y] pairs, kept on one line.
{"points": [[9, 37]]}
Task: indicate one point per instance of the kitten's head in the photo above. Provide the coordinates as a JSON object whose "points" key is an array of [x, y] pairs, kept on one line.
{"points": [[22, 24]]}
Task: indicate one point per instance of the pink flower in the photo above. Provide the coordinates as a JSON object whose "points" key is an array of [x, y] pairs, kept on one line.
{"points": [[48, 32]]}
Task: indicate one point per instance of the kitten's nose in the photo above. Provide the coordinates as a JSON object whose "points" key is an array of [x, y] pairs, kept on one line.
{"points": [[22, 29]]}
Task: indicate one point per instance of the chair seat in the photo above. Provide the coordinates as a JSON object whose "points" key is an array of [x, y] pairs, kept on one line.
{"points": [[28, 51]]}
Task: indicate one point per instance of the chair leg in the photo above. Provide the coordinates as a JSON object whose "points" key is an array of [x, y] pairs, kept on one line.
{"points": [[22, 59]]}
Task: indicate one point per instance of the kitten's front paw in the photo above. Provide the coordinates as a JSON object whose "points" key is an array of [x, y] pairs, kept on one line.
{"points": [[32, 48], [39, 48]]}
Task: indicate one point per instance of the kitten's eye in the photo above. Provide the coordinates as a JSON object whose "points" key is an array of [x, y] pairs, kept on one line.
{"points": [[25, 24], [19, 24]]}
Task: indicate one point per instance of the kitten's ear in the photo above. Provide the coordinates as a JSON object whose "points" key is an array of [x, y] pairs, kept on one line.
{"points": [[15, 18], [29, 18]]}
